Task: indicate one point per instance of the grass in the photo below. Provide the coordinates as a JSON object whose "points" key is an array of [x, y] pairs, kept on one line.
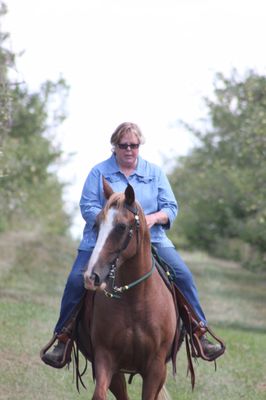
{"points": [[32, 276]]}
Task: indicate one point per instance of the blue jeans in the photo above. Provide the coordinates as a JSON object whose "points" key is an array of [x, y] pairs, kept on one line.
{"points": [[74, 289], [183, 278]]}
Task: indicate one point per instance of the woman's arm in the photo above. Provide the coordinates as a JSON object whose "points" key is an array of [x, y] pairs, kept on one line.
{"points": [[90, 202], [167, 204]]}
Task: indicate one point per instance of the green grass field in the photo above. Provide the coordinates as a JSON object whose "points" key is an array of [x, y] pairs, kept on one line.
{"points": [[32, 278]]}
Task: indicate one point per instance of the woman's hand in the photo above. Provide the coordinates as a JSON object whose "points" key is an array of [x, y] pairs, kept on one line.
{"points": [[151, 220], [159, 217]]}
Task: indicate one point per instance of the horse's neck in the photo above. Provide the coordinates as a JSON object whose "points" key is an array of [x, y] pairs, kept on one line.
{"points": [[137, 266]]}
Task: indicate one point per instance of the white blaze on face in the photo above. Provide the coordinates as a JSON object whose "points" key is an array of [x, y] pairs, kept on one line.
{"points": [[105, 229]]}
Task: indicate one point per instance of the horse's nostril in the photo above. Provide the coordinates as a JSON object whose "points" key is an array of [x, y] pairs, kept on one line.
{"points": [[96, 279]]}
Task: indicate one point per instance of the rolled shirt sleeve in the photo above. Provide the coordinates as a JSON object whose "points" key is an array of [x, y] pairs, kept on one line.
{"points": [[90, 202], [166, 199]]}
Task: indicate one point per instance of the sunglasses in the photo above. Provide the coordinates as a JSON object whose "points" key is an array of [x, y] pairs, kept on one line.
{"points": [[124, 146]]}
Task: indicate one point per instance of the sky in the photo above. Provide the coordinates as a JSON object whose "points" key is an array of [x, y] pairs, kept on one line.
{"points": [[151, 62]]}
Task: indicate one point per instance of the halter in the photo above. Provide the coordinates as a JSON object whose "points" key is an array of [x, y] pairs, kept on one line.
{"points": [[117, 291]]}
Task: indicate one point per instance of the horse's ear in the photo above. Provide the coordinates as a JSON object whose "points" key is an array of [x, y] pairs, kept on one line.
{"points": [[130, 195], [108, 191]]}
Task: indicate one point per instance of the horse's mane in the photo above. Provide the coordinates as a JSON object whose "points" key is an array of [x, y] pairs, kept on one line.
{"points": [[117, 200]]}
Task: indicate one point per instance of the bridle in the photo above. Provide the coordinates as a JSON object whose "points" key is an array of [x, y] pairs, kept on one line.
{"points": [[135, 225], [116, 292]]}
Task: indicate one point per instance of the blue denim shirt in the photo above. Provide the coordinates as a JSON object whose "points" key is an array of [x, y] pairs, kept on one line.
{"points": [[152, 190]]}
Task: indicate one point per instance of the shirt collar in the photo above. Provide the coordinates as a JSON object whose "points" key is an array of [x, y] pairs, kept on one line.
{"points": [[114, 168]]}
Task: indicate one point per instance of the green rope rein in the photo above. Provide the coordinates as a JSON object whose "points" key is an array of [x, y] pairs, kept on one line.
{"points": [[119, 290]]}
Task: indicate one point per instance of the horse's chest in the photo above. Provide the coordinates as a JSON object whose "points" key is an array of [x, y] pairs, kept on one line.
{"points": [[132, 345], [132, 334], [128, 333]]}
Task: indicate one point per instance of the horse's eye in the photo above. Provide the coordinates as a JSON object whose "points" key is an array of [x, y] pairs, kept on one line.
{"points": [[120, 228]]}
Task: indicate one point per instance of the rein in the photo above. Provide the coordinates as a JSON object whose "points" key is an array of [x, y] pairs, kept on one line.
{"points": [[117, 291]]}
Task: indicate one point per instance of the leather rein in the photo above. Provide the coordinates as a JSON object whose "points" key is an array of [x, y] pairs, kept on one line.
{"points": [[116, 292]]}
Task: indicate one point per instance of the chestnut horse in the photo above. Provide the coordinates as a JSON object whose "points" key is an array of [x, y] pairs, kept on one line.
{"points": [[133, 324]]}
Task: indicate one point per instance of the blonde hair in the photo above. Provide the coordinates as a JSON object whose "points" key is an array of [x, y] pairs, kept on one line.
{"points": [[123, 128]]}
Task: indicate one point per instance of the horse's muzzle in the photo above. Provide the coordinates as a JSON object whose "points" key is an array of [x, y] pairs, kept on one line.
{"points": [[93, 282]]}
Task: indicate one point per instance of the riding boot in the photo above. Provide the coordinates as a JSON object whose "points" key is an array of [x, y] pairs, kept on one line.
{"points": [[201, 345], [211, 350], [61, 353]]}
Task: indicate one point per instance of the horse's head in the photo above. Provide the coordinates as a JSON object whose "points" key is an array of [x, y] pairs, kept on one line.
{"points": [[117, 223]]}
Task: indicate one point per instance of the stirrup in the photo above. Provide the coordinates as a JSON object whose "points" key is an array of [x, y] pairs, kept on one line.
{"points": [[66, 356], [195, 330], [197, 349], [196, 346]]}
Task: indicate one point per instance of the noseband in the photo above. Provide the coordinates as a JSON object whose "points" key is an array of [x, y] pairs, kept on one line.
{"points": [[117, 291]]}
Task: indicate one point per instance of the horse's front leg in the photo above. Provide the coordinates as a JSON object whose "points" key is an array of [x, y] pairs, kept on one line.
{"points": [[118, 387], [103, 376], [153, 381]]}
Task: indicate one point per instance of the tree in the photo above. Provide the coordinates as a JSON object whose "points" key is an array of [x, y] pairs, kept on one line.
{"points": [[6, 59], [222, 182], [30, 191]]}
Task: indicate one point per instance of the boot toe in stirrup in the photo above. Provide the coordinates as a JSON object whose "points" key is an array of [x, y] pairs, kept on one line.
{"points": [[59, 356], [211, 350]]}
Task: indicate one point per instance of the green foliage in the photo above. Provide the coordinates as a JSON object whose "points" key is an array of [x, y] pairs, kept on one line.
{"points": [[30, 192], [6, 59], [29, 188], [221, 184]]}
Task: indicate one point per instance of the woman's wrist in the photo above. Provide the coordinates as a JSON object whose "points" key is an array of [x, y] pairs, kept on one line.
{"points": [[159, 218]]}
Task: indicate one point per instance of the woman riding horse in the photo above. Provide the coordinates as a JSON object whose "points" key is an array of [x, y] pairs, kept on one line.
{"points": [[154, 193]]}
